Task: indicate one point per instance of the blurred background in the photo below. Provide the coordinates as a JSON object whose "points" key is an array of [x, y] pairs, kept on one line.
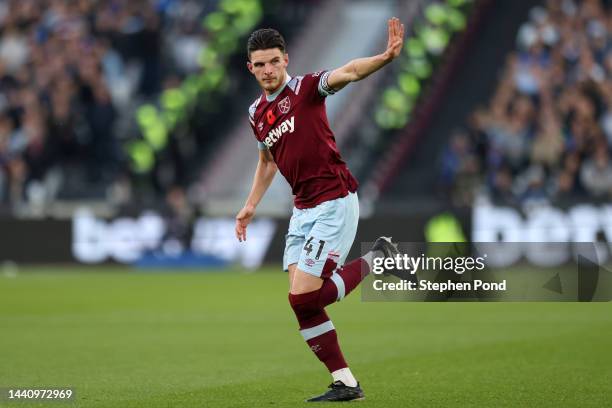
{"points": [[124, 135]]}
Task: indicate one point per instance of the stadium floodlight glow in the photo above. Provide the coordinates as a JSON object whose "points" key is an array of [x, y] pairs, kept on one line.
{"points": [[212, 78], [232, 6], [456, 20], [142, 156], [190, 87], [171, 118], [444, 227], [238, 7], [384, 117], [389, 119], [173, 99], [396, 100], [457, 3], [215, 21], [409, 84], [246, 21], [436, 13], [420, 67], [435, 39], [400, 120], [157, 135], [208, 57], [414, 48], [226, 42], [153, 126], [146, 115]]}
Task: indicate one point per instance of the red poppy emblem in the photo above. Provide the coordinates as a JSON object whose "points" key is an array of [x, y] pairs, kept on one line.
{"points": [[270, 117]]}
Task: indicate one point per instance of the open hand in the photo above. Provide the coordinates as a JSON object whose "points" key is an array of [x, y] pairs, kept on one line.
{"points": [[396, 38]]}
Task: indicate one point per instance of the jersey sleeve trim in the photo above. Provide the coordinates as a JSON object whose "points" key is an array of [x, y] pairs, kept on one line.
{"points": [[261, 146], [324, 88], [252, 110], [295, 84]]}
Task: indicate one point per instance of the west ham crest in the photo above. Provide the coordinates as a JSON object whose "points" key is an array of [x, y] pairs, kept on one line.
{"points": [[284, 105]]}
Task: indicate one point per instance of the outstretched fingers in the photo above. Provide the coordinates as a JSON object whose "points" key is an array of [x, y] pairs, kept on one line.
{"points": [[396, 35], [392, 26], [395, 27]]}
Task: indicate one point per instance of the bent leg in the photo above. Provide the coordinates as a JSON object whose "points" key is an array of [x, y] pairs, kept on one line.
{"points": [[302, 282], [315, 326], [324, 245]]}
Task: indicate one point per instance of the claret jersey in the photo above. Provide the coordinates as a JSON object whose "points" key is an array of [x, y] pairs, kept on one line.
{"points": [[293, 125]]}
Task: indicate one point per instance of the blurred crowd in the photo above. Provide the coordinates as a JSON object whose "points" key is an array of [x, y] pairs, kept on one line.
{"points": [[69, 70], [546, 135]]}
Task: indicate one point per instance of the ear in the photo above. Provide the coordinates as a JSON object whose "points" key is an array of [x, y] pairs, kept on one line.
{"points": [[250, 66], [286, 58]]}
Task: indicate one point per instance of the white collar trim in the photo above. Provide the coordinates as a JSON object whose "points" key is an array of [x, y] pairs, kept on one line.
{"points": [[273, 96]]}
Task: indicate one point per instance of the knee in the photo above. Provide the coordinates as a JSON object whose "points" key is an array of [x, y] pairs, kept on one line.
{"points": [[305, 305]]}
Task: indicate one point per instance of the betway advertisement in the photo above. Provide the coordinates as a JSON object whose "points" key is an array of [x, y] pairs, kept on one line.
{"points": [[536, 228], [151, 239], [148, 240]]}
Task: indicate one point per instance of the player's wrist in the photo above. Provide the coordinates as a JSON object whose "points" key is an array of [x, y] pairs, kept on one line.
{"points": [[387, 56]]}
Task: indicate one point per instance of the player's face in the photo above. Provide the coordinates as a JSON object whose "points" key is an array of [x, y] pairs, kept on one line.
{"points": [[269, 67]]}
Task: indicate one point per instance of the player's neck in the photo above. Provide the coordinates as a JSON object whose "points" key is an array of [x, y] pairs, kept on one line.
{"points": [[271, 95]]}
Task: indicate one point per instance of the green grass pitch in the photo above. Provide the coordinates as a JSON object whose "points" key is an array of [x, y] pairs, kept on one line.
{"points": [[230, 340]]}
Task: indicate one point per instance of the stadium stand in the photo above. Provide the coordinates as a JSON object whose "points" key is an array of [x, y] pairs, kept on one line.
{"points": [[67, 70], [546, 133], [92, 94], [118, 104]]}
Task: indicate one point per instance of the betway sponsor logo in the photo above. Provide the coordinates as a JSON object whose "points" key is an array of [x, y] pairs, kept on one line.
{"points": [[276, 133], [545, 236], [126, 240]]}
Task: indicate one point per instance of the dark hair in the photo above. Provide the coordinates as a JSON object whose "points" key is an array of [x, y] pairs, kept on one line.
{"points": [[264, 39]]}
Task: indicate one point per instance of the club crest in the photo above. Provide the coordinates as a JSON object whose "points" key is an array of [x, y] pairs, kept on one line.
{"points": [[284, 105]]}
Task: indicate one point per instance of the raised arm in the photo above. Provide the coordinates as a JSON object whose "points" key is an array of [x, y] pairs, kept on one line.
{"points": [[360, 68], [264, 174]]}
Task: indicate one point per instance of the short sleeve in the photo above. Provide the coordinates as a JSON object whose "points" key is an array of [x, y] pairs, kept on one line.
{"points": [[261, 146], [252, 110], [314, 85]]}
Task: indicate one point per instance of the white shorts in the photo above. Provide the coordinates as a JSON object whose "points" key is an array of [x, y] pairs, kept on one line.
{"points": [[322, 233]]}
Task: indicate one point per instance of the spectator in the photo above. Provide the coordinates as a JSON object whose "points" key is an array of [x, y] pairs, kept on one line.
{"points": [[548, 145], [596, 173], [564, 186], [461, 169]]}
